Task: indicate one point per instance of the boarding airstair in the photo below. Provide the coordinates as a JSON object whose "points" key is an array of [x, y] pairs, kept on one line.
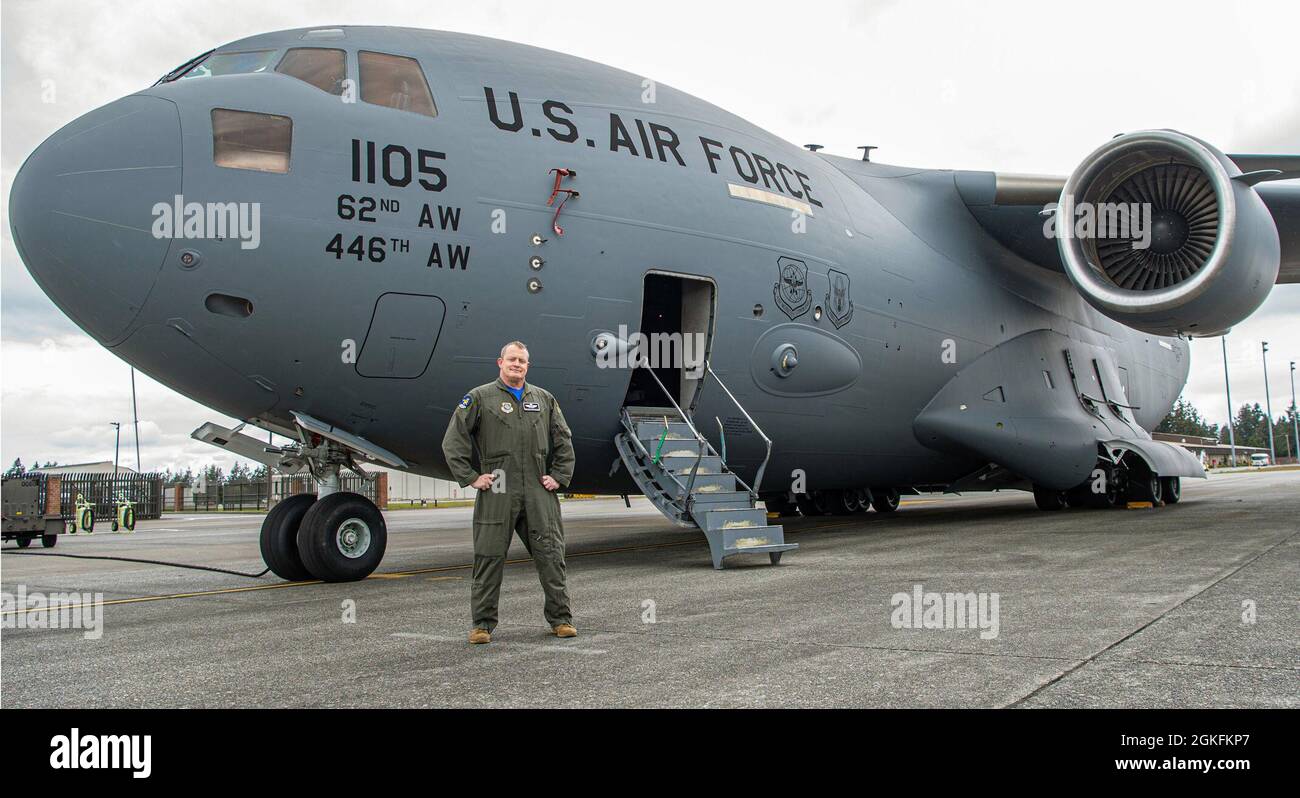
{"points": [[681, 473]]}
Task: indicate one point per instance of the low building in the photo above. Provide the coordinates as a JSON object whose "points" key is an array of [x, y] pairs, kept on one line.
{"points": [[1209, 451], [102, 467]]}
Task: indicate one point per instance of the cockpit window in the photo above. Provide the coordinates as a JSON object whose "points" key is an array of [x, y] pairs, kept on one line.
{"points": [[323, 68], [247, 140], [217, 64], [395, 81]]}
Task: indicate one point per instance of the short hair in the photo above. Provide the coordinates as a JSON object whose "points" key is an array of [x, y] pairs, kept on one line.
{"points": [[519, 344]]}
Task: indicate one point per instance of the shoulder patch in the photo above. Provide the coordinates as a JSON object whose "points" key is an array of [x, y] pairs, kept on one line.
{"points": [[466, 402]]}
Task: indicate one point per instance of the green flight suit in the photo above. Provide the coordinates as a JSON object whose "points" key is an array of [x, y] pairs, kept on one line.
{"points": [[525, 439]]}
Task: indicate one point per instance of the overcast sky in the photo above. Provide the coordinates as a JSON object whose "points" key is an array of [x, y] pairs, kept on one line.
{"points": [[1021, 87]]}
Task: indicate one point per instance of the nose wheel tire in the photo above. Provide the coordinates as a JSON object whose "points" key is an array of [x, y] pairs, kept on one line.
{"points": [[342, 538], [279, 540], [1171, 489], [885, 500]]}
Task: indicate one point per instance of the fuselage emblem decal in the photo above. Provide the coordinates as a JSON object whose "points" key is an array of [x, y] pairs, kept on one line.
{"points": [[839, 304], [791, 288]]}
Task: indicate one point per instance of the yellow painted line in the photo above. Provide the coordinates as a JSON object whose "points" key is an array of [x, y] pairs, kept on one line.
{"points": [[442, 578], [391, 574]]}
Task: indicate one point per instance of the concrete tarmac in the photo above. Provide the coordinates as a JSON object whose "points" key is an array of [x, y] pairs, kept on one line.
{"points": [[1189, 605]]}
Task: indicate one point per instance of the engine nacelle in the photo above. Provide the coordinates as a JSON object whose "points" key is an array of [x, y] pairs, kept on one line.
{"points": [[1200, 255]]}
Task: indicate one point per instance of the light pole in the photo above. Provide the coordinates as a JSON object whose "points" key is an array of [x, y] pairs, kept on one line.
{"points": [[117, 440], [1232, 438], [117, 425], [135, 416], [1268, 404], [1295, 429]]}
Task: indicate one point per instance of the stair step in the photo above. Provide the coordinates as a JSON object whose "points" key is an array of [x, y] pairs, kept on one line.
{"points": [[712, 499], [742, 518], [706, 484], [753, 537], [709, 464], [768, 540], [651, 430]]}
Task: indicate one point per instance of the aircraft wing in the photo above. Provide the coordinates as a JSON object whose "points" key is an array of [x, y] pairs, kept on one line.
{"points": [[1007, 206]]}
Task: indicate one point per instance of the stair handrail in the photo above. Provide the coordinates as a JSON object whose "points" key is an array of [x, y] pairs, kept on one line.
{"points": [[758, 478], [703, 442], [631, 426]]}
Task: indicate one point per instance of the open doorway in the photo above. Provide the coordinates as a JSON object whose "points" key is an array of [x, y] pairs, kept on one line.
{"points": [[676, 333]]}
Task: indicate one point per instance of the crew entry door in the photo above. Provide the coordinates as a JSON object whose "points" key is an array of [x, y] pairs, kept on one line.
{"points": [[676, 334]]}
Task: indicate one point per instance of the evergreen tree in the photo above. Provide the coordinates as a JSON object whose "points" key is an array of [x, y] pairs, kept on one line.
{"points": [[1185, 419]]}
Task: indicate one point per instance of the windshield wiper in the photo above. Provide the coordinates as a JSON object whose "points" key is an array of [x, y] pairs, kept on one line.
{"points": [[185, 67]]}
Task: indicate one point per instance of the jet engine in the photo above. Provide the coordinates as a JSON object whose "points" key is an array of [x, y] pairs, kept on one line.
{"points": [[1162, 232]]}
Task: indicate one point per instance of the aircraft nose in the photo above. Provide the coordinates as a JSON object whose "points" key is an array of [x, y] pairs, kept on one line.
{"points": [[81, 210]]}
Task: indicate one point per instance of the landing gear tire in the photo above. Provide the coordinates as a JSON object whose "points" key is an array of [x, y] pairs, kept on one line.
{"points": [[48, 541], [1048, 499], [845, 502], [1144, 488], [806, 505], [823, 502], [279, 539], [1108, 497], [1171, 489], [24, 541], [864, 499], [885, 500], [342, 538]]}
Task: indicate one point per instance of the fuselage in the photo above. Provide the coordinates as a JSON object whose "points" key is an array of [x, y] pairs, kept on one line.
{"points": [[395, 236]]}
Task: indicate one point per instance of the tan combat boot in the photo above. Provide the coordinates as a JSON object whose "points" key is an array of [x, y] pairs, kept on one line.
{"points": [[564, 630], [480, 636]]}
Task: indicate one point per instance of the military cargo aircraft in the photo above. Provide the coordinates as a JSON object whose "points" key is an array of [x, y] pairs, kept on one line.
{"points": [[328, 233]]}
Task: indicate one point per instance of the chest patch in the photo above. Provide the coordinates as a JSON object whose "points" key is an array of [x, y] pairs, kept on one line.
{"points": [[532, 407], [506, 407]]}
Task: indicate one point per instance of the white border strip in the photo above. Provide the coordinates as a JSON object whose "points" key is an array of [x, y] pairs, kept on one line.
{"points": [[769, 198]]}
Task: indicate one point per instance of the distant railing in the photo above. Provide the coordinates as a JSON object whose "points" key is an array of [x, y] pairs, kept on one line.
{"points": [[252, 495], [104, 490]]}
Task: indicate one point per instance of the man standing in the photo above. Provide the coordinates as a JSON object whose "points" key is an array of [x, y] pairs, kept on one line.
{"points": [[525, 453]]}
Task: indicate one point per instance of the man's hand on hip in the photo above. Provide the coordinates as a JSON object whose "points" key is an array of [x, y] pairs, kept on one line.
{"points": [[484, 482], [549, 482]]}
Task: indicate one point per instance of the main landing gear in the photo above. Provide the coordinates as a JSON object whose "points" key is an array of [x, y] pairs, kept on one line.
{"points": [[849, 501], [334, 535], [1113, 485]]}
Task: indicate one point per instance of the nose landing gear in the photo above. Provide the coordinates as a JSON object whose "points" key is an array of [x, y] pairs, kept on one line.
{"points": [[334, 535]]}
